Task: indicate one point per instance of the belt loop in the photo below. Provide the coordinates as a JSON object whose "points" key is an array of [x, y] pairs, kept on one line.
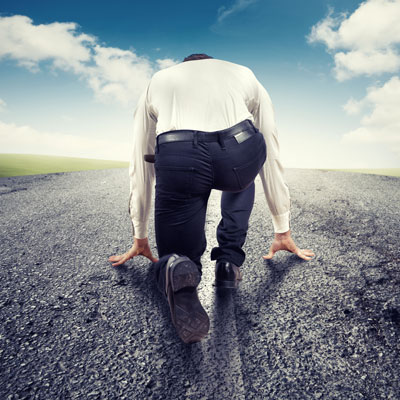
{"points": [[157, 144], [195, 139], [221, 141]]}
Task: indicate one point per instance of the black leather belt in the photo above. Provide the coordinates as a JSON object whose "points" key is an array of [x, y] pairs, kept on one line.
{"points": [[241, 132]]}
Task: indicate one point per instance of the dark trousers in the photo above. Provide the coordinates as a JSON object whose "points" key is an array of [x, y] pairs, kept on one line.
{"points": [[186, 172]]}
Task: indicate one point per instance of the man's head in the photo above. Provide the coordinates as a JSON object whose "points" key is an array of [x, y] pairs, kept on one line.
{"points": [[193, 57]]}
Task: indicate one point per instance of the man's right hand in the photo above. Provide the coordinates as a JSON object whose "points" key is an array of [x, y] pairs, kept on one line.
{"points": [[140, 247], [283, 241]]}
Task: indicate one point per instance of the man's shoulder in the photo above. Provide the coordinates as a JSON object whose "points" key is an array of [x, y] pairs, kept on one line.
{"points": [[166, 73], [236, 65], [210, 63], [229, 65]]}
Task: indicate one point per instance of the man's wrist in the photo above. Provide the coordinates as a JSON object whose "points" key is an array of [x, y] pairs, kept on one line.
{"points": [[282, 235], [281, 222], [141, 242]]}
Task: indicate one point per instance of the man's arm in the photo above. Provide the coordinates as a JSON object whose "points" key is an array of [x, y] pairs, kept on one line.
{"points": [[271, 174], [141, 173], [141, 178]]}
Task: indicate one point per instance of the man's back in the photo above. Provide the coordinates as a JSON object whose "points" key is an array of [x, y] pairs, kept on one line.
{"points": [[201, 110], [205, 95]]}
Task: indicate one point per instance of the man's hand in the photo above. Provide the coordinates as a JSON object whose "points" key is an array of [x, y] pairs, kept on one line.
{"points": [[283, 241], [140, 247]]}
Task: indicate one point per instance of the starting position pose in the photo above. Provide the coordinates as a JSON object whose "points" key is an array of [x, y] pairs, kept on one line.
{"points": [[211, 125]]}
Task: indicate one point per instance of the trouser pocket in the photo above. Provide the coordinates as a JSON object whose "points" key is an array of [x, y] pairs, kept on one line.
{"points": [[175, 179], [247, 172]]}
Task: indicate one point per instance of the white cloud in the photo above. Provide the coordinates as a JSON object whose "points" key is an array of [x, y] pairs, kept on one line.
{"points": [[25, 139], [382, 123], [353, 107], [364, 43], [238, 5], [367, 42], [3, 105], [166, 63], [118, 74], [354, 63], [57, 42], [112, 73]]}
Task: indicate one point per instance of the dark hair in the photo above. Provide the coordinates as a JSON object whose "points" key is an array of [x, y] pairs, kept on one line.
{"points": [[193, 57]]}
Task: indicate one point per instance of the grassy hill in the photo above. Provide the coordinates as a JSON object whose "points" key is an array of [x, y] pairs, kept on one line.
{"points": [[30, 164]]}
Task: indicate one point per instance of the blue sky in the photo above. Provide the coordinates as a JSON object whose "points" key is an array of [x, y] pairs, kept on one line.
{"points": [[71, 72]]}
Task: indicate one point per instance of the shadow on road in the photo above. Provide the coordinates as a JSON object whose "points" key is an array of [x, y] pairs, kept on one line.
{"points": [[188, 368], [264, 287], [277, 270]]}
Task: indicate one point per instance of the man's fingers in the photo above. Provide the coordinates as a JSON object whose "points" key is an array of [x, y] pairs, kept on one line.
{"points": [[121, 261], [122, 258], [304, 254], [114, 258], [307, 252], [269, 255]]}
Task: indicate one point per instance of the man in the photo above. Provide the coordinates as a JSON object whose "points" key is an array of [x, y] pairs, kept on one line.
{"points": [[211, 125]]}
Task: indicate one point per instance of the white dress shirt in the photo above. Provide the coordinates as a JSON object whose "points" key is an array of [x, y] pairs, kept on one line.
{"points": [[205, 95]]}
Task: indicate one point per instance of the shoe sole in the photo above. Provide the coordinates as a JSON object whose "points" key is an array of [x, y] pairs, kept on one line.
{"points": [[188, 315]]}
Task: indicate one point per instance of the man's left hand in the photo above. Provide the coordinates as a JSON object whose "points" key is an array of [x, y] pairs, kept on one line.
{"points": [[284, 241]]}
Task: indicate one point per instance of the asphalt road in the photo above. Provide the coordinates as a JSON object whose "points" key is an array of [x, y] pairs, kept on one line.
{"points": [[73, 327]]}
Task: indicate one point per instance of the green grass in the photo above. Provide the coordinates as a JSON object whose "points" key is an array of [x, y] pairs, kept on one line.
{"points": [[377, 171], [30, 164]]}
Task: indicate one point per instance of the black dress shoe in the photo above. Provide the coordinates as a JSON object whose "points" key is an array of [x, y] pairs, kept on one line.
{"points": [[188, 315], [227, 275]]}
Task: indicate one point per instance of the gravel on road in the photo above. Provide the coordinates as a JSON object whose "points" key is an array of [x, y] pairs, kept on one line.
{"points": [[74, 327]]}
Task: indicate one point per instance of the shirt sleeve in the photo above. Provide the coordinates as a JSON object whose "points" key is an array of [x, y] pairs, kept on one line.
{"points": [[271, 174], [141, 173]]}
